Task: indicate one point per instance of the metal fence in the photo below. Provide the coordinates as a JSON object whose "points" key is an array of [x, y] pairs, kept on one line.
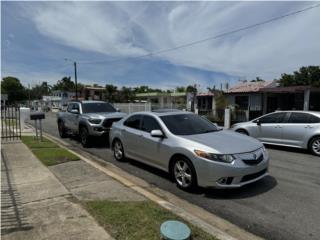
{"points": [[218, 115], [10, 123], [138, 107]]}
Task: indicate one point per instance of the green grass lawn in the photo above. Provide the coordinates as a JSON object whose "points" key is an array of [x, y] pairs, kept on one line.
{"points": [[136, 220], [48, 152], [11, 122]]}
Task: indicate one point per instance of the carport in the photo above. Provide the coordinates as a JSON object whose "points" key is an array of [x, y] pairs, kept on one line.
{"points": [[291, 98]]}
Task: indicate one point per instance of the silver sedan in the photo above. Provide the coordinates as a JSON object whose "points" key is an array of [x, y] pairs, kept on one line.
{"points": [[191, 148], [299, 129]]}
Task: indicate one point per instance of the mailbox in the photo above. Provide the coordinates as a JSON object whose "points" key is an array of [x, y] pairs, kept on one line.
{"points": [[37, 116]]}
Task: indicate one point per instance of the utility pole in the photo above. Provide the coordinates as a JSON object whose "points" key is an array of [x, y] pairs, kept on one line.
{"points": [[75, 76], [75, 79]]}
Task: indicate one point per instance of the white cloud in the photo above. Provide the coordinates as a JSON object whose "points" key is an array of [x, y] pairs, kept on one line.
{"points": [[133, 28]]}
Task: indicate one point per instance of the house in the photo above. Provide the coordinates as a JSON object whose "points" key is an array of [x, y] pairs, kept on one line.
{"points": [[177, 100], [258, 98], [93, 93], [206, 101], [249, 97]]}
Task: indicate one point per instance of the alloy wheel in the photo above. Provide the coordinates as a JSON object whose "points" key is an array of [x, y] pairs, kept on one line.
{"points": [[118, 150], [316, 146], [183, 174]]}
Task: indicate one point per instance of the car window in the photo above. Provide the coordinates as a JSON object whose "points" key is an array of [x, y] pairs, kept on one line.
{"points": [[313, 119], [188, 124], [273, 118], [75, 106], [133, 122], [96, 107], [297, 117], [149, 123], [70, 107]]}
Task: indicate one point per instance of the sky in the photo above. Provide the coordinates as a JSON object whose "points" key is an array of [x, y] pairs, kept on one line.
{"points": [[108, 38]]}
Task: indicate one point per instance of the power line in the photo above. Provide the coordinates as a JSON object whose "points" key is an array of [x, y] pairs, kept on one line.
{"points": [[207, 39]]}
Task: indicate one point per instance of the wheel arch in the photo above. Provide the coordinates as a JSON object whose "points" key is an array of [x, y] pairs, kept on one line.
{"points": [[175, 157], [243, 130], [311, 138]]}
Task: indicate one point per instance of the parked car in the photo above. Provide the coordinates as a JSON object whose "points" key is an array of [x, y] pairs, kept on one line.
{"points": [[87, 119], [191, 148], [299, 129]]}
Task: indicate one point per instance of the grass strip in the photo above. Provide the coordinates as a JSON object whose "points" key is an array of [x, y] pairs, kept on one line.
{"points": [[136, 220], [47, 152]]}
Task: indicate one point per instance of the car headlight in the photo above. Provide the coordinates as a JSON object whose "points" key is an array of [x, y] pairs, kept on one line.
{"points": [[94, 120], [226, 158], [264, 152]]}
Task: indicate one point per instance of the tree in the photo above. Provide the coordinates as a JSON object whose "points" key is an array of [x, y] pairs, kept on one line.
{"points": [[111, 93], [180, 89], [304, 76], [65, 84], [13, 87], [258, 79], [126, 94], [191, 89]]}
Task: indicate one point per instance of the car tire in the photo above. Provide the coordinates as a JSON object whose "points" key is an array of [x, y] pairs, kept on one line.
{"points": [[242, 131], [314, 146], [118, 151], [184, 174], [84, 137], [62, 129]]}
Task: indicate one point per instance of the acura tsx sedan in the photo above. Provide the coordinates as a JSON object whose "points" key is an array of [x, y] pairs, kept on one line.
{"points": [[191, 148]]}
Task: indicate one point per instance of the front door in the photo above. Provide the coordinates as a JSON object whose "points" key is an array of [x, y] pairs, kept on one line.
{"points": [[270, 127], [152, 146], [132, 135]]}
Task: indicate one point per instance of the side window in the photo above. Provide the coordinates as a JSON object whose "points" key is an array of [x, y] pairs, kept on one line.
{"points": [[133, 122], [75, 106], [313, 119], [297, 117], [273, 118], [149, 123], [70, 106]]}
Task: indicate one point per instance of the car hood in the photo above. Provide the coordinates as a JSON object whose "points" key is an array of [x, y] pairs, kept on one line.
{"points": [[226, 141], [103, 115]]}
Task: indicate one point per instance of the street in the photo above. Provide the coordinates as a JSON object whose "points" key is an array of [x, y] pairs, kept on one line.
{"points": [[284, 205]]}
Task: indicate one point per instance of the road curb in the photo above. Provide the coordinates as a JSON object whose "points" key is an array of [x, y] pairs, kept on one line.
{"points": [[220, 228]]}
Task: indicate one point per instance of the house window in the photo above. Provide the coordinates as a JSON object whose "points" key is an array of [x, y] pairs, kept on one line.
{"points": [[242, 102]]}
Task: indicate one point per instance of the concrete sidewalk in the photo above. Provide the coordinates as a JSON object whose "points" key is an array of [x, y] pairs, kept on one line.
{"points": [[36, 205]]}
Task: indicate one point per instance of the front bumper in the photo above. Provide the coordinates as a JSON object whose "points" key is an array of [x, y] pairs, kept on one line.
{"points": [[224, 175], [98, 130]]}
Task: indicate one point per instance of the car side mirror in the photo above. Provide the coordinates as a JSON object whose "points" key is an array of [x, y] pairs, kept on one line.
{"points": [[157, 133], [75, 111], [258, 122], [118, 110]]}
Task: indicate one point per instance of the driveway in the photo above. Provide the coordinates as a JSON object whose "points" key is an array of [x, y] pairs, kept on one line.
{"points": [[284, 205]]}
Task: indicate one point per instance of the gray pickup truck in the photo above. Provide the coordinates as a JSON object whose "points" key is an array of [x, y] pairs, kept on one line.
{"points": [[87, 119]]}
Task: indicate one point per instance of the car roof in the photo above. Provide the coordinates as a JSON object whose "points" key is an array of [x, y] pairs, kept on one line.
{"points": [[300, 111], [88, 101]]}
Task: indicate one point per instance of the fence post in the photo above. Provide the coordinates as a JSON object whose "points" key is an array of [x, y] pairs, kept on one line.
{"points": [[227, 118], [129, 106]]}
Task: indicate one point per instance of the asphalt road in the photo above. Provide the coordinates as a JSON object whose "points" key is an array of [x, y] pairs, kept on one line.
{"points": [[285, 205]]}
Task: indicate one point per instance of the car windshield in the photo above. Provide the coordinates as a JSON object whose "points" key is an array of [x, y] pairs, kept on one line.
{"points": [[188, 124], [97, 107]]}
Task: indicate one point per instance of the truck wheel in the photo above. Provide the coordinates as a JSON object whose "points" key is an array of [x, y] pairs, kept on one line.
{"points": [[84, 137], [62, 129]]}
